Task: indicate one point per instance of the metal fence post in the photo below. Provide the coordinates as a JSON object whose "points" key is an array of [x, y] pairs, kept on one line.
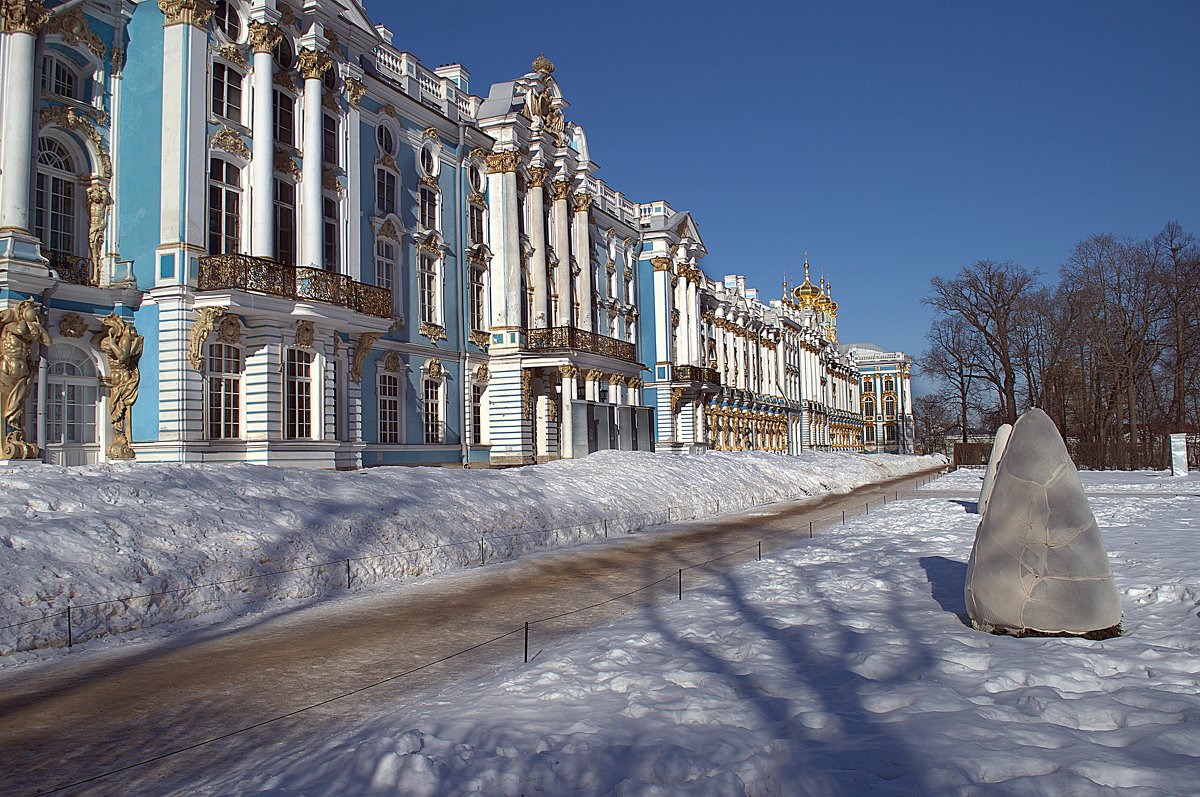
{"points": [[481, 560], [526, 641], [70, 636], [681, 583], [347, 574]]}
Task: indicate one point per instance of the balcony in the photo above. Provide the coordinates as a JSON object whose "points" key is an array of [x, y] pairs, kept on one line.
{"points": [[75, 269], [696, 373], [263, 275], [560, 338]]}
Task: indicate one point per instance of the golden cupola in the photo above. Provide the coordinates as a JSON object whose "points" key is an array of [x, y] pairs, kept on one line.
{"points": [[806, 294]]}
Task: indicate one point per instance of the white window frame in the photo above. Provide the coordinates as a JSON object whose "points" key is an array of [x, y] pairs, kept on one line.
{"points": [[57, 185], [429, 286], [56, 64], [221, 89], [64, 414], [299, 394], [433, 414], [227, 194], [223, 391], [389, 419]]}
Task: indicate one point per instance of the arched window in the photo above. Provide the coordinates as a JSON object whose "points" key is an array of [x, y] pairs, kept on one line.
{"points": [[868, 408], [71, 389], [428, 288], [61, 77], [224, 207], [889, 407], [224, 391], [56, 208], [888, 384]]}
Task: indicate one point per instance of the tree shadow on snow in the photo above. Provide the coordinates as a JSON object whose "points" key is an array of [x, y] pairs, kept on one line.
{"points": [[971, 507]]}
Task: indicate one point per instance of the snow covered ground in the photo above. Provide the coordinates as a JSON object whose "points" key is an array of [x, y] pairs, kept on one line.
{"points": [[841, 666], [97, 535]]}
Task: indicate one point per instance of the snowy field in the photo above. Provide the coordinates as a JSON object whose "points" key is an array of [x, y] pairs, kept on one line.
{"points": [[101, 534], [839, 667]]}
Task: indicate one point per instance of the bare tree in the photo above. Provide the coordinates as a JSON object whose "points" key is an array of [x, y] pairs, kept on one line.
{"points": [[953, 359], [988, 297], [934, 420]]}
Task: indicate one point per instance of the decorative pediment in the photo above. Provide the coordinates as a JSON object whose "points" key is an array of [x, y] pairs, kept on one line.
{"points": [[75, 31], [231, 141]]}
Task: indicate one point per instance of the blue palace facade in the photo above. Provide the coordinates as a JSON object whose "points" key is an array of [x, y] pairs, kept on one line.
{"points": [[260, 232]]}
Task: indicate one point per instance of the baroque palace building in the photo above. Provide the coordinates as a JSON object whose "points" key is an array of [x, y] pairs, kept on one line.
{"points": [[252, 231]]}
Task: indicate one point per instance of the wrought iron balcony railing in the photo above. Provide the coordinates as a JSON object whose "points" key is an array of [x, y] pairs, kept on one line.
{"points": [[75, 269], [697, 373], [555, 338], [263, 275]]}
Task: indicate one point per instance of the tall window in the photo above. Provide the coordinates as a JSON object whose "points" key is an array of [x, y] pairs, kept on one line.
{"points": [[869, 434], [868, 408], [476, 414], [385, 190], [226, 92], [475, 299], [329, 221], [285, 119], [59, 77], [224, 206], [226, 20], [433, 411], [889, 407], [329, 137], [71, 387], [224, 377], [428, 207], [888, 384], [389, 408], [475, 225], [385, 263], [285, 222], [297, 395], [385, 140], [55, 208], [427, 293]]}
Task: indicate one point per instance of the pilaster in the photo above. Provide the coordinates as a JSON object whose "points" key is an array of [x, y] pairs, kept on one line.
{"points": [[264, 38], [583, 254], [313, 66], [535, 196]]}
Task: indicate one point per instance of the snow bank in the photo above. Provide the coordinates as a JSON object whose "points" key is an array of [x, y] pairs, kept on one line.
{"points": [[101, 534]]}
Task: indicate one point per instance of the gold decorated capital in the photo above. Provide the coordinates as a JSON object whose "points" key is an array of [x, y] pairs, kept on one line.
{"points": [[661, 263], [594, 375], [500, 162], [314, 63], [560, 189], [264, 36], [583, 201], [537, 176], [568, 371], [23, 16], [186, 12]]}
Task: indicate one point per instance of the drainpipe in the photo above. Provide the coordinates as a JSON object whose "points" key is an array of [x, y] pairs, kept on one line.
{"points": [[464, 354]]}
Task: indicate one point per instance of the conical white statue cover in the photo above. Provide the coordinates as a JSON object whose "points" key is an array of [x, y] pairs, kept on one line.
{"points": [[1038, 562]]}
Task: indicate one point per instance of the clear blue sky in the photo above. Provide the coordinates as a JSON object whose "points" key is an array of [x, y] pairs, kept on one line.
{"points": [[891, 140]]}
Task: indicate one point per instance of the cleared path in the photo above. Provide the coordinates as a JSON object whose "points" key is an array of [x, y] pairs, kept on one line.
{"points": [[81, 718]]}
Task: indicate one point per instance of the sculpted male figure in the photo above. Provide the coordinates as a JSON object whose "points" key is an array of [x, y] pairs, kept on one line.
{"points": [[20, 328]]}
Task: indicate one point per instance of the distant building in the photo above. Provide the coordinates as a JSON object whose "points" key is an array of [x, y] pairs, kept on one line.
{"points": [[886, 398]]}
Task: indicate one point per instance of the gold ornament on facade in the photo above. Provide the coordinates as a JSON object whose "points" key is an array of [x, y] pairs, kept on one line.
{"points": [[560, 190], [388, 161], [329, 180], [305, 333], [186, 12], [78, 121], [231, 141], [568, 371], [583, 201], [335, 44], [543, 65], [330, 100], [389, 110], [287, 14], [72, 325], [355, 89], [233, 54], [537, 176], [229, 331], [388, 230], [122, 346], [397, 326], [285, 79], [431, 134], [73, 27], [314, 63], [20, 330], [393, 363], [501, 162], [674, 318], [482, 374], [358, 355], [616, 380], [99, 201], [264, 37], [676, 397], [527, 393], [23, 16], [206, 319], [661, 263], [594, 374], [285, 164], [480, 339], [434, 332]]}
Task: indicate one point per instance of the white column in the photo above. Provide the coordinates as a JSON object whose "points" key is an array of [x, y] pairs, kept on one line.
{"points": [[562, 251], [264, 38], [569, 374], [535, 196], [313, 64], [23, 20], [583, 255], [662, 310]]}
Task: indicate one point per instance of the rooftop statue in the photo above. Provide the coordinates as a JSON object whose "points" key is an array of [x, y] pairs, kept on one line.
{"points": [[1038, 565]]}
